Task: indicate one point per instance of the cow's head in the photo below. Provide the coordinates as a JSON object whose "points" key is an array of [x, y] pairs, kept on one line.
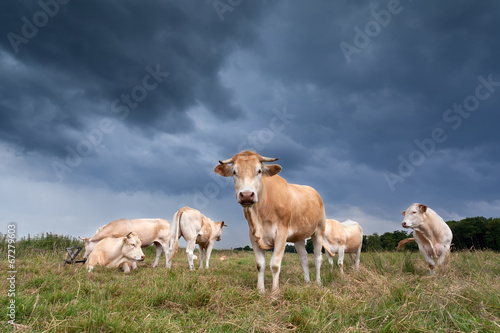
{"points": [[247, 169], [132, 247], [219, 226], [414, 215]]}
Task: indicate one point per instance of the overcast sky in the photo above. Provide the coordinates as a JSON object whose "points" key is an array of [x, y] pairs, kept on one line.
{"points": [[121, 109]]}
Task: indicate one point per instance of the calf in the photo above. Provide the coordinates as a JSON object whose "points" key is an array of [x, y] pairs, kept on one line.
{"points": [[431, 233], [150, 231], [196, 228], [123, 252], [345, 237]]}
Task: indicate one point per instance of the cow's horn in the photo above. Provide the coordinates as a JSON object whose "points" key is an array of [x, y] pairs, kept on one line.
{"points": [[129, 234], [229, 160], [269, 159]]}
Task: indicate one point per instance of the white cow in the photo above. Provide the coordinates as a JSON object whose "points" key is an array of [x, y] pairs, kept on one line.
{"points": [[345, 237], [150, 231], [123, 252], [431, 233], [196, 228]]}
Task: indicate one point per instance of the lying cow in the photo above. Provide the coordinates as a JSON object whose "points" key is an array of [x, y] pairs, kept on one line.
{"points": [[196, 228], [122, 252], [431, 233], [277, 212], [150, 231], [345, 237]]}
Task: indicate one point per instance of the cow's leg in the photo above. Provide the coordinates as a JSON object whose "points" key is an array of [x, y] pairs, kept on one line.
{"points": [[260, 259], [166, 250], [327, 251], [203, 254], [189, 252], [208, 253], [442, 252], [125, 267], [340, 260], [276, 258], [91, 262], [352, 258], [300, 246], [358, 256], [430, 261], [330, 259], [158, 249], [317, 239]]}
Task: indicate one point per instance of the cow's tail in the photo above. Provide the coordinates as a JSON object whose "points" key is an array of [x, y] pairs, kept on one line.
{"points": [[175, 234], [327, 249], [402, 244]]}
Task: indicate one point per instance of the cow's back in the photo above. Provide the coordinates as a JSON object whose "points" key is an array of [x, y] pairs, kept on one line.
{"points": [[148, 230], [354, 235]]}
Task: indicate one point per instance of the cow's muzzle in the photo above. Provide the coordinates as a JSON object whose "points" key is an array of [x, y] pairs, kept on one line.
{"points": [[404, 225], [246, 198]]}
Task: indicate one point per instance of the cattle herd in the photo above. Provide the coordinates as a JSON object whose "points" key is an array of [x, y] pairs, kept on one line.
{"points": [[277, 212]]}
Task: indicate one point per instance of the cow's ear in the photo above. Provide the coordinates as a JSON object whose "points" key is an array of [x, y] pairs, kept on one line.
{"points": [[222, 224], [124, 240], [225, 170], [423, 208], [403, 213], [271, 169]]}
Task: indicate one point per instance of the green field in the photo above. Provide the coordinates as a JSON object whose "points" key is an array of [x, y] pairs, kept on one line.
{"points": [[392, 292]]}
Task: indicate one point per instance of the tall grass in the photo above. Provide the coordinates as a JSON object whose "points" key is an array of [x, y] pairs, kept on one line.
{"points": [[391, 292], [42, 243]]}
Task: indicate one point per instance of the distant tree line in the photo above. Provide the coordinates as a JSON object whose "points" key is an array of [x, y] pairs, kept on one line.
{"points": [[476, 233]]}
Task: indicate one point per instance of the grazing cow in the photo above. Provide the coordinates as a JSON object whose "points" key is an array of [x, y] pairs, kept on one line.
{"points": [[431, 233], [150, 231], [277, 212], [345, 237], [196, 228], [123, 252]]}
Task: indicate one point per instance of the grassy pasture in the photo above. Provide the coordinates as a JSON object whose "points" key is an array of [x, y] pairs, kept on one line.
{"points": [[391, 292]]}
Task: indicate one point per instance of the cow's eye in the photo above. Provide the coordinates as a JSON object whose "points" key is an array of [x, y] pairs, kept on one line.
{"points": [[414, 212], [259, 171], [235, 173]]}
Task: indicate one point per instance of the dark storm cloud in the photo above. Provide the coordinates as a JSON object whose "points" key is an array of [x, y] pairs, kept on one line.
{"points": [[87, 58], [398, 87]]}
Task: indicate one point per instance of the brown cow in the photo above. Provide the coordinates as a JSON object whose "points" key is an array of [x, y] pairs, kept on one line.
{"points": [[345, 237], [276, 212], [196, 228]]}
